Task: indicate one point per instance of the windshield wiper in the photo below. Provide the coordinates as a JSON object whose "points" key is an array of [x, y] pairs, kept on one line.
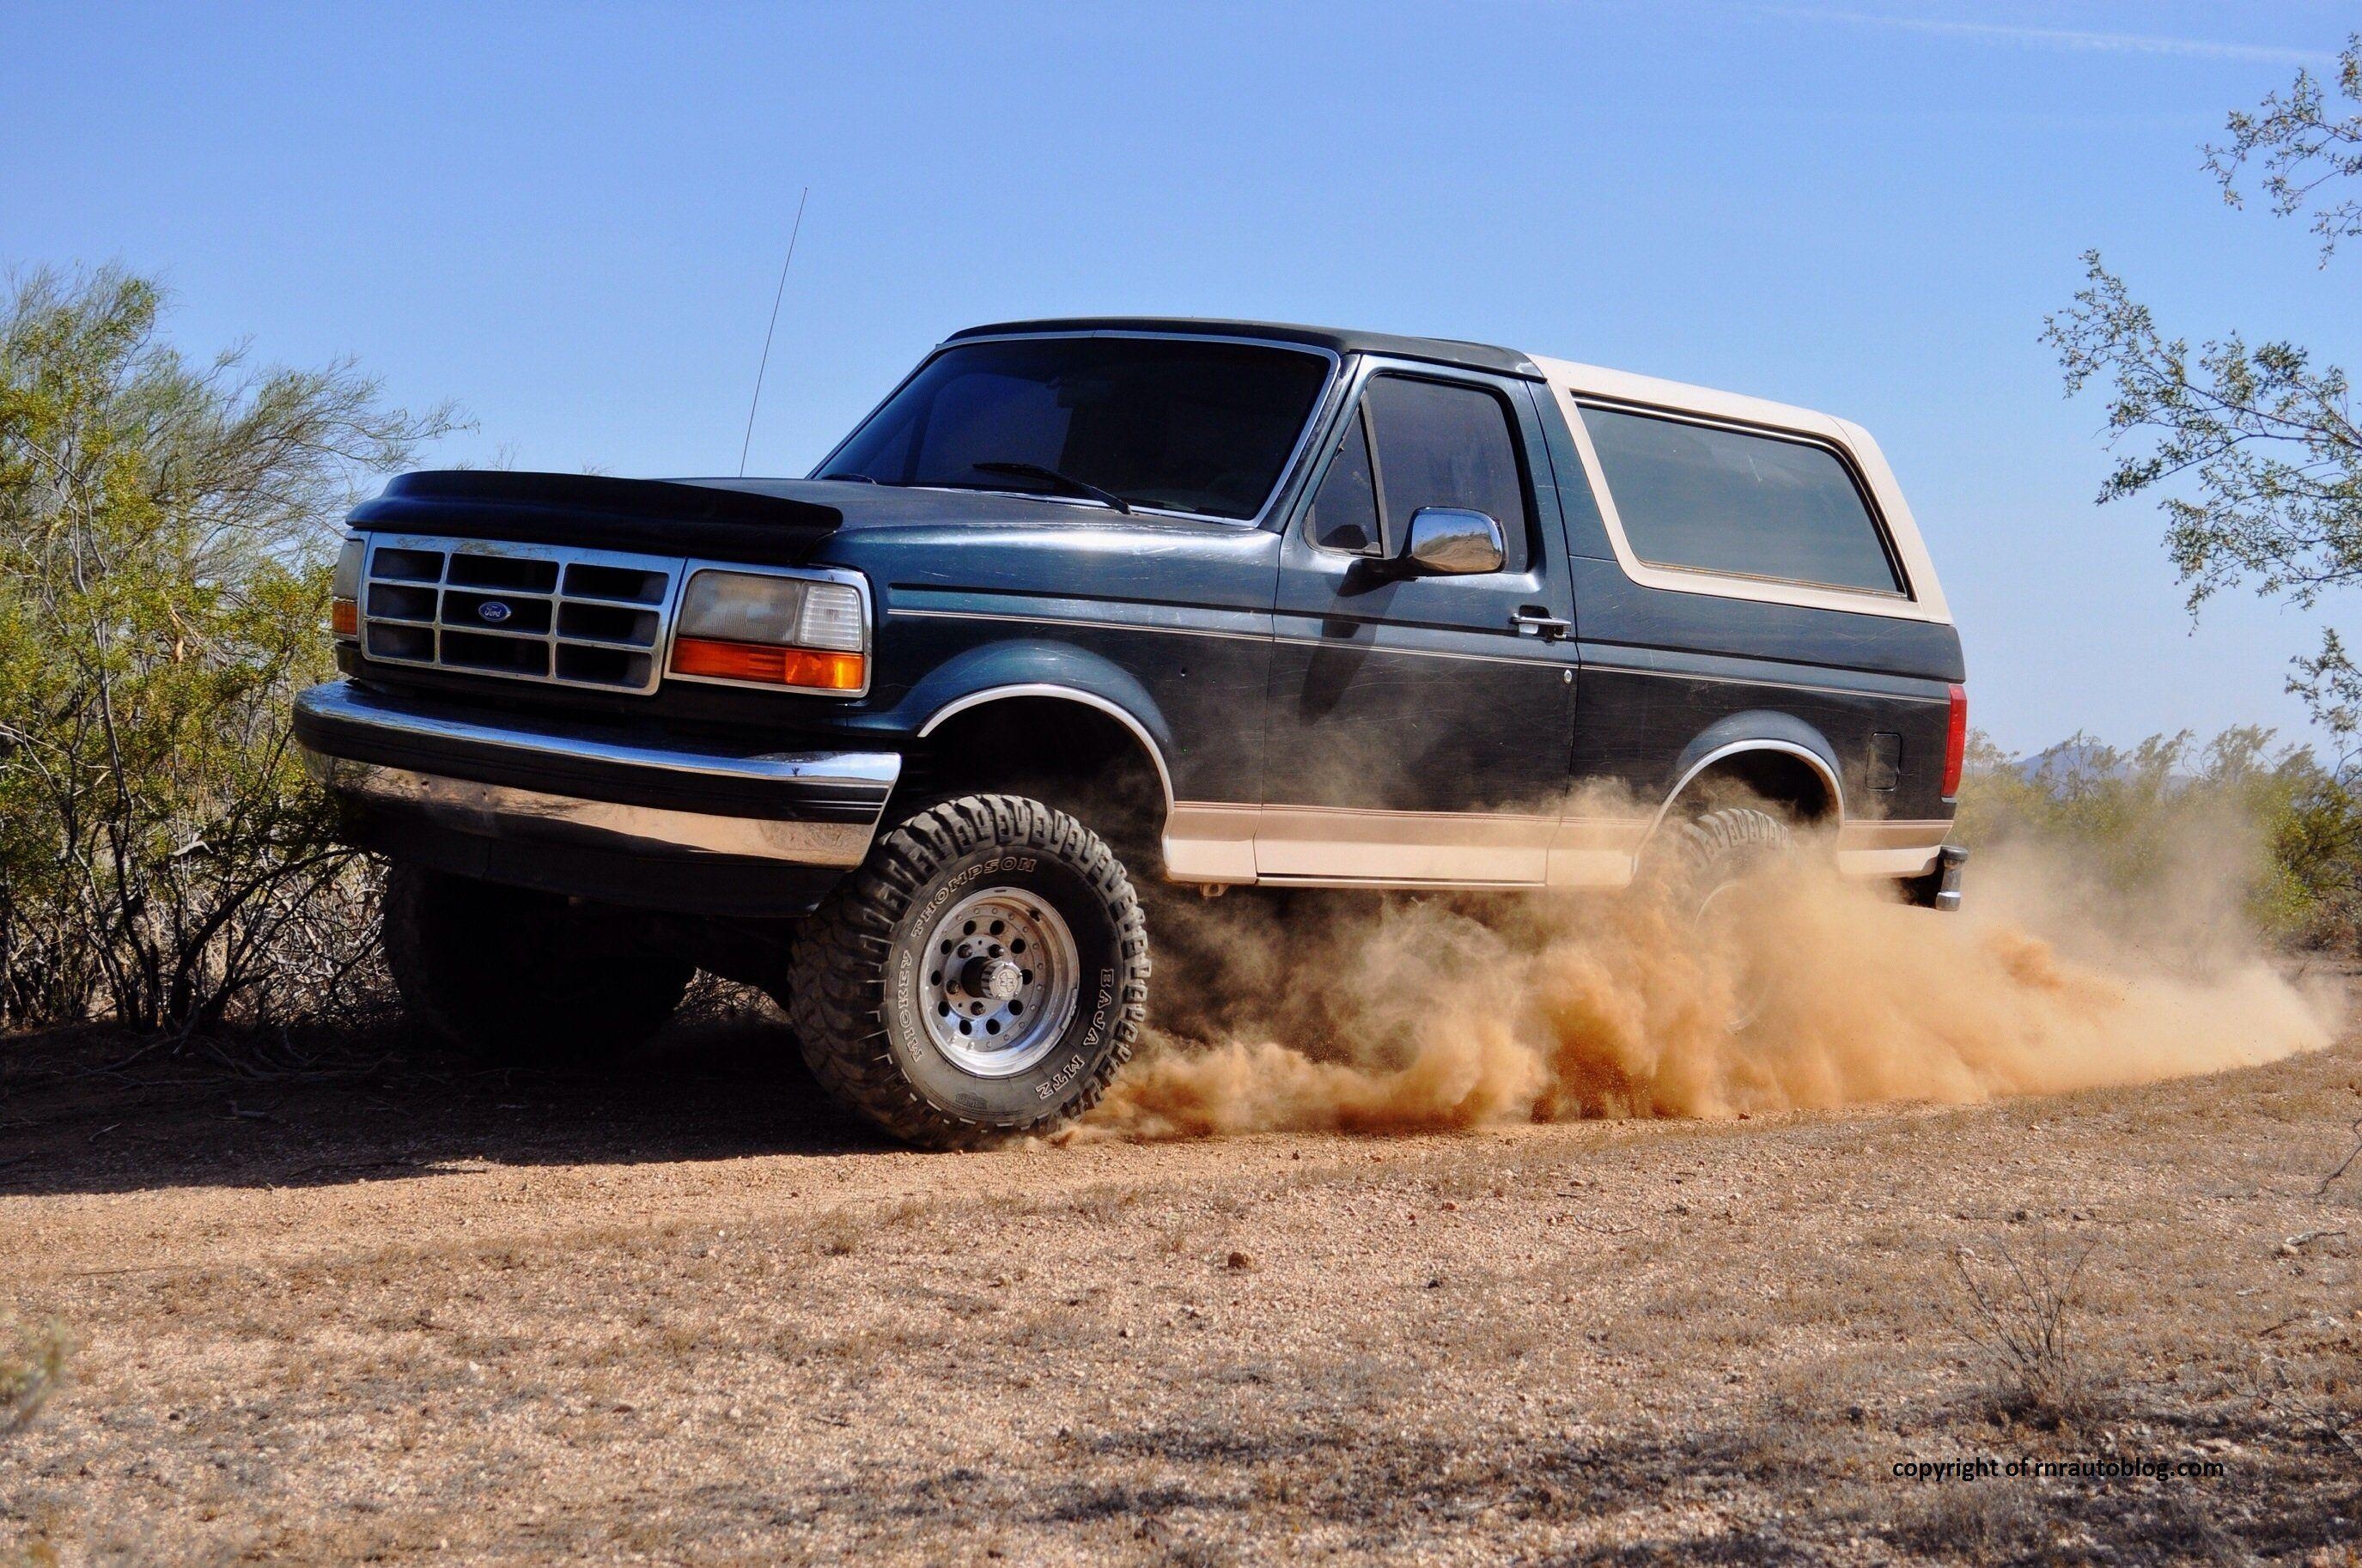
{"points": [[1068, 482], [849, 474]]}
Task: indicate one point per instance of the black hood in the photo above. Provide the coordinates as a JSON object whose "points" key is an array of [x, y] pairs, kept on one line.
{"points": [[763, 522], [679, 517], [863, 505]]}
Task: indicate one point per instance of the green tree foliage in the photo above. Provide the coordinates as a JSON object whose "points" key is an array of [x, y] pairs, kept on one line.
{"points": [[2253, 450], [2304, 150], [165, 535]]}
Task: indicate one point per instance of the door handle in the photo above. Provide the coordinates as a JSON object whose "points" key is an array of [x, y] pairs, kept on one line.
{"points": [[1532, 623]]}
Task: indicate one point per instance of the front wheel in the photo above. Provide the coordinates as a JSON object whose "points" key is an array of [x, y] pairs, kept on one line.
{"points": [[983, 974]]}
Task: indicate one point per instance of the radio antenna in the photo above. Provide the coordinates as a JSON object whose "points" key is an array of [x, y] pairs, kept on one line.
{"points": [[744, 446]]}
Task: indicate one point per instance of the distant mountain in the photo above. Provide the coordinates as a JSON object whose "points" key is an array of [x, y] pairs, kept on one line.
{"points": [[2077, 758]]}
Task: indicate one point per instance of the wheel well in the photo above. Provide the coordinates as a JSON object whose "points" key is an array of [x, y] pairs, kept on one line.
{"points": [[1053, 749], [1778, 778]]}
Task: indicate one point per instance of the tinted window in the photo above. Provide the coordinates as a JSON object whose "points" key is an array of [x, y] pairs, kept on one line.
{"points": [[1446, 446], [1345, 513], [1693, 495], [1191, 427]]}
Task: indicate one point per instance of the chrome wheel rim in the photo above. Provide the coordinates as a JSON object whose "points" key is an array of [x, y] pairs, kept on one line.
{"points": [[1001, 982]]}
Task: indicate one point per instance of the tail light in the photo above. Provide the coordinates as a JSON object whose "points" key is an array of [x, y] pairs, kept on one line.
{"points": [[1956, 741]]}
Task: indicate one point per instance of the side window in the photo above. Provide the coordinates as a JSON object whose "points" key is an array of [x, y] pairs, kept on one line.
{"points": [[1345, 513], [1697, 495], [1441, 445]]}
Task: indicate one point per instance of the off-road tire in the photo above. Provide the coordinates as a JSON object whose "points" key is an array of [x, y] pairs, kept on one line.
{"points": [[1705, 855], [522, 979], [856, 974], [1694, 859]]}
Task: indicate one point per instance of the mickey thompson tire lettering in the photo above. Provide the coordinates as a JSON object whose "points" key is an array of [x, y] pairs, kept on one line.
{"points": [[1698, 855], [854, 981]]}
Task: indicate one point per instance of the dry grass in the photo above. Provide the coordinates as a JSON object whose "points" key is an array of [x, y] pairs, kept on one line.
{"points": [[619, 1325], [32, 1365]]}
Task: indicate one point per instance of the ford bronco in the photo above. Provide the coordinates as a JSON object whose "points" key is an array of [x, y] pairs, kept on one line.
{"points": [[1089, 612]]}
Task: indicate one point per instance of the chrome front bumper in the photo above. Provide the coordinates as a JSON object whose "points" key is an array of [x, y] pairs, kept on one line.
{"points": [[591, 790]]}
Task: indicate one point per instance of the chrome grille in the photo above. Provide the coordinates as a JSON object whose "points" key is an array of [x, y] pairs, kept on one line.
{"points": [[544, 613]]}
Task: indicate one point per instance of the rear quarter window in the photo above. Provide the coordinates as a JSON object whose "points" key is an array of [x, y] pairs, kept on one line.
{"points": [[1728, 501]]}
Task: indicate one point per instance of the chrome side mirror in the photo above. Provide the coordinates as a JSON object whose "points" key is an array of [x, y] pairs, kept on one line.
{"points": [[1451, 541]]}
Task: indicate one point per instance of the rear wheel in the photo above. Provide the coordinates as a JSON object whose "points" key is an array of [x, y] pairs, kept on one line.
{"points": [[1701, 867], [984, 973], [520, 978]]}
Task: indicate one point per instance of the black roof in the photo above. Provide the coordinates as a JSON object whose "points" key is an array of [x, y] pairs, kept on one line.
{"points": [[1437, 350]]}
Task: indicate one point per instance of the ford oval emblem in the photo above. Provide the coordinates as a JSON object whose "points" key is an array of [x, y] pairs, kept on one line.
{"points": [[492, 611]]}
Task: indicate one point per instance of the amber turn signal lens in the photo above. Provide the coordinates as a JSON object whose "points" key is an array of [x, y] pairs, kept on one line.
{"points": [[344, 618], [772, 666]]}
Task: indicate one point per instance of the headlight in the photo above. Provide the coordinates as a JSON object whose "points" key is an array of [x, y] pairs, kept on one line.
{"points": [[772, 631], [739, 607]]}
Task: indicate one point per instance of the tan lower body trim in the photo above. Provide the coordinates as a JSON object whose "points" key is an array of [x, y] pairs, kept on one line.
{"points": [[1206, 841], [1889, 848], [1595, 851], [1374, 846], [1218, 842]]}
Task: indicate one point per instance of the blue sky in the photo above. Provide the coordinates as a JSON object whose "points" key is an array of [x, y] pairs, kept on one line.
{"points": [[571, 219]]}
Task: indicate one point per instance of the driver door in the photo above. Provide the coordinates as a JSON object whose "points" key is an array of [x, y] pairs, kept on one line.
{"points": [[1419, 727]]}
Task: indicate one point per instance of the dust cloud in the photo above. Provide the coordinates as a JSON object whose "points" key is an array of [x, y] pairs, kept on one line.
{"points": [[1418, 1014]]}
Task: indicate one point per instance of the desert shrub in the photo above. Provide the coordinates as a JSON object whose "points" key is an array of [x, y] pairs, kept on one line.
{"points": [[166, 530], [2020, 1311], [2130, 820]]}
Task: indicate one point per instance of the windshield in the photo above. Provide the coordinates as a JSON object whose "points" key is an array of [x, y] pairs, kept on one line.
{"points": [[1182, 424]]}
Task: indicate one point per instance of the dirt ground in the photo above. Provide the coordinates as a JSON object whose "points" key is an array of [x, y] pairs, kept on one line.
{"points": [[336, 1309]]}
